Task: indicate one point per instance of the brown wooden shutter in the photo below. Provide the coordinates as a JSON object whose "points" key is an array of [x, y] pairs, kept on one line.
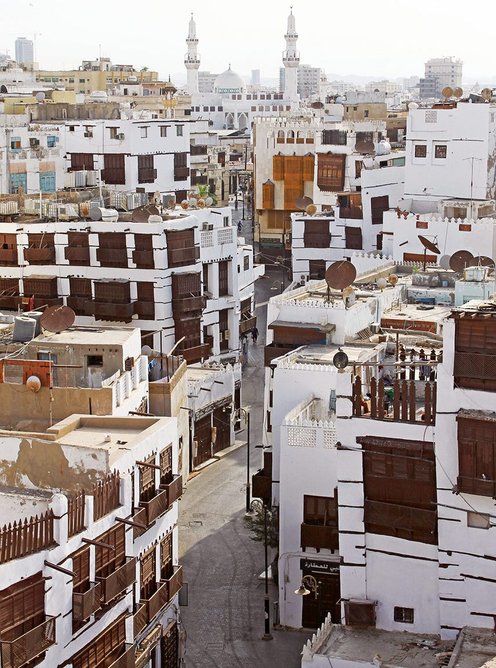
{"points": [[353, 236], [268, 193], [166, 557], [378, 206], [114, 168], [107, 560], [22, 605], [80, 161], [81, 568], [331, 171], [166, 465], [98, 652], [308, 167], [278, 168]]}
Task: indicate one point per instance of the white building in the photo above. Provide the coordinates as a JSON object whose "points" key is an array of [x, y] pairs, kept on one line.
{"points": [[309, 79], [291, 61], [24, 52], [447, 71], [192, 59], [95, 573]]}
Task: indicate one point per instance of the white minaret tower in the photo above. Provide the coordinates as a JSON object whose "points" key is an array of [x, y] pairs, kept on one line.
{"points": [[192, 59], [291, 60]]}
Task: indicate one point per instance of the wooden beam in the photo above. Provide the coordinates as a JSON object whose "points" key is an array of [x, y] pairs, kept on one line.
{"points": [[98, 543], [151, 466], [65, 571], [131, 523]]}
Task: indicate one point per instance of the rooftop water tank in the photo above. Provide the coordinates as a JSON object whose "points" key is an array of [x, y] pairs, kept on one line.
{"points": [[35, 315], [24, 329]]}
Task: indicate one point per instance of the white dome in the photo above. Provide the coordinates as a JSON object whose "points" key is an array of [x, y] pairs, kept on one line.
{"points": [[229, 83]]}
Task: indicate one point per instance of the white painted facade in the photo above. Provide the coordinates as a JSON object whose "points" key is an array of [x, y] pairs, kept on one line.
{"points": [[149, 436]]}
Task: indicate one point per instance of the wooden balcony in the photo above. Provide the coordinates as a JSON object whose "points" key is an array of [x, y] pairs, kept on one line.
{"points": [[118, 581], [187, 304], [145, 310], [157, 506], [319, 536], [9, 303], [351, 212], [261, 486], [143, 259], [22, 650], [77, 255], [8, 257], [181, 173], [180, 257], [78, 304], [197, 353], [140, 518], [112, 256], [173, 489], [322, 240], [87, 603], [479, 486], [392, 519], [413, 401], [247, 324], [140, 619], [157, 601], [39, 255], [125, 660], [111, 311], [175, 582]]}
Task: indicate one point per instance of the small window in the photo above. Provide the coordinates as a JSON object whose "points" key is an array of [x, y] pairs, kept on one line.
{"points": [[179, 130], [88, 131], [366, 113], [15, 143], [246, 262], [226, 221], [163, 130], [478, 520], [420, 151], [403, 615], [94, 360], [143, 133], [113, 133], [440, 151]]}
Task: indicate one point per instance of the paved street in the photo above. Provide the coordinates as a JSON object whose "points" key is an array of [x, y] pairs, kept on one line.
{"points": [[225, 617]]}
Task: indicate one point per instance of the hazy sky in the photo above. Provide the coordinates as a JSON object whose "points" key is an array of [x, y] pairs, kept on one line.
{"points": [[387, 38]]}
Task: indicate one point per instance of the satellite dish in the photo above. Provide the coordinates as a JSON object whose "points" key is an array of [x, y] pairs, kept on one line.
{"points": [[444, 262], [392, 279], [381, 283], [340, 359], [57, 318], [487, 93], [169, 201], [460, 260], [428, 244], [340, 274], [146, 350], [142, 213], [458, 92], [40, 96], [485, 261], [95, 213], [347, 292], [185, 204], [303, 202], [311, 209], [447, 92]]}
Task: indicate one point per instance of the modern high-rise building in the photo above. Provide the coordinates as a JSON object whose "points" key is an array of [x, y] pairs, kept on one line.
{"points": [[24, 52], [447, 71], [255, 77], [308, 81]]}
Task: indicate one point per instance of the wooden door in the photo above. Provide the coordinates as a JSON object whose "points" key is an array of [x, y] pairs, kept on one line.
{"points": [[316, 608], [203, 438], [222, 424]]}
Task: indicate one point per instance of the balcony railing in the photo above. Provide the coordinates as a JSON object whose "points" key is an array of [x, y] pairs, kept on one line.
{"points": [[411, 401], [118, 581], [140, 518], [112, 256], [173, 489], [261, 485], [157, 601], [87, 603], [319, 537], [175, 582], [20, 651], [480, 486], [247, 324], [111, 311], [351, 212], [140, 619], [8, 257], [126, 660], [186, 304], [156, 506], [40, 255], [179, 257], [197, 353], [77, 254], [392, 519], [78, 304]]}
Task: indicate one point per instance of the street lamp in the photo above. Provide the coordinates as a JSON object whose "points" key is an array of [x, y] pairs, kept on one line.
{"points": [[308, 584], [237, 413], [258, 506]]}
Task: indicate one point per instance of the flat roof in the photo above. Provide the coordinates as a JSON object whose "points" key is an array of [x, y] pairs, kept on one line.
{"points": [[320, 354], [427, 312], [87, 336], [474, 648], [396, 648]]}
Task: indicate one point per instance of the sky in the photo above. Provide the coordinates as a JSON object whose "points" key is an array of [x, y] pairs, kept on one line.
{"points": [[379, 39]]}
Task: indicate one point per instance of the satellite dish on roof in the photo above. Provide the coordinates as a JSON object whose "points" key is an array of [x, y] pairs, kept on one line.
{"points": [[169, 201], [392, 279], [381, 283], [460, 260], [146, 350], [458, 92], [57, 318], [311, 209], [347, 292], [340, 274], [303, 202], [485, 261], [40, 96], [447, 92], [340, 359], [487, 93], [142, 213], [444, 262], [428, 245]]}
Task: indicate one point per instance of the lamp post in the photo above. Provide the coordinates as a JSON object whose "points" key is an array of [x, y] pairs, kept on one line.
{"points": [[258, 506], [246, 415]]}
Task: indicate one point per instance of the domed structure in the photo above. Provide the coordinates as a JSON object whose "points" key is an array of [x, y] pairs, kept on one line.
{"points": [[229, 83]]}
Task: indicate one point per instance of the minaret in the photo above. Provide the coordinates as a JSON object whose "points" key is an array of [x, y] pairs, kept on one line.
{"points": [[291, 60], [192, 59]]}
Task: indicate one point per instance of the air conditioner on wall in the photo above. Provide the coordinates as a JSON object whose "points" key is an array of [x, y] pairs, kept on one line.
{"points": [[121, 136]]}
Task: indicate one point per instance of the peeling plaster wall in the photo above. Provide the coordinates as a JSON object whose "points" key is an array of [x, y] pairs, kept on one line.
{"points": [[16, 505]]}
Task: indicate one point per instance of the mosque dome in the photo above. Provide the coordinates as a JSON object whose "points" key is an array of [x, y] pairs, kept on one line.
{"points": [[229, 83]]}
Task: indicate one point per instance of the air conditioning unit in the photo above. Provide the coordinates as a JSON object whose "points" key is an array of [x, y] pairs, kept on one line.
{"points": [[88, 134], [375, 327], [121, 136], [207, 227]]}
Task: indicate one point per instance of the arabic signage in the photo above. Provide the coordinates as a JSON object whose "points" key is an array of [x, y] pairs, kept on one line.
{"points": [[315, 566]]}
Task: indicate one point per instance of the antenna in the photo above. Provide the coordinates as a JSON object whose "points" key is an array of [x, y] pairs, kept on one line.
{"points": [[428, 245], [460, 260], [447, 92], [57, 318]]}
